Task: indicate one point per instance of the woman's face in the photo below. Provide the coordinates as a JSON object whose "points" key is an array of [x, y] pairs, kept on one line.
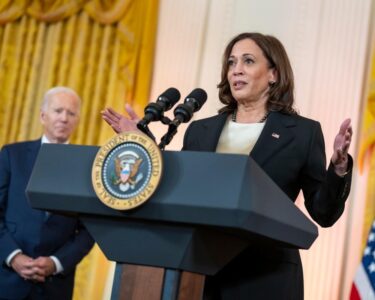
{"points": [[249, 73]]}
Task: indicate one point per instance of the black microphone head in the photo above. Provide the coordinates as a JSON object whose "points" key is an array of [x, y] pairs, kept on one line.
{"points": [[169, 98], [198, 97]]}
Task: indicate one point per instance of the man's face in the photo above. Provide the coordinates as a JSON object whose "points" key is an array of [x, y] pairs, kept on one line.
{"points": [[60, 117]]}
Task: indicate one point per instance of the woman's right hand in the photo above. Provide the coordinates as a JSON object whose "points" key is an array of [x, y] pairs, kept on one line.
{"points": [[121, 123]]}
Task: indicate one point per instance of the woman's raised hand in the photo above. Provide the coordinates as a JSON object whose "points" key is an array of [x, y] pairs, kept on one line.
{"points": [[341, 147], [119, 122]]}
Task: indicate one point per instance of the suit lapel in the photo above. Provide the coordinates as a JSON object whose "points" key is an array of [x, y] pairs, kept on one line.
{"points": [[275, 135], [212, 129], [32, 152]]}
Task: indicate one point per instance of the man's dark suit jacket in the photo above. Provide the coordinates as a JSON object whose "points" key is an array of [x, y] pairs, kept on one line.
{"points": [[33, 231], [291, 151]]}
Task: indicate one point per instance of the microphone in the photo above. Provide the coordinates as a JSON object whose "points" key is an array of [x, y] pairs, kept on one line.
{"points": [[192, 103], [183, 114], [154, 111]]}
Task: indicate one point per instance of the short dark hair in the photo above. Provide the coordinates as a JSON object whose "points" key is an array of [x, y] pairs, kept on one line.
{"points": [[281, 93]]}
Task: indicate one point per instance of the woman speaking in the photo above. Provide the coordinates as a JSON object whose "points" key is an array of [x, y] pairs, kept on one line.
{"points": [[258, 119]]}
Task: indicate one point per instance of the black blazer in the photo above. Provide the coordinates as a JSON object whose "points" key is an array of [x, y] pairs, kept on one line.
{"points": [[291, 151]]}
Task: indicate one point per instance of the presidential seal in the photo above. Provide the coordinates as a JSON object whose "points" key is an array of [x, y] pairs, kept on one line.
{"points": [[127, 170]]}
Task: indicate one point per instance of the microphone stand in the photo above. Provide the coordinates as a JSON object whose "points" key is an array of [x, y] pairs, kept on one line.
{"points": [[172, 130], [142, 126]]}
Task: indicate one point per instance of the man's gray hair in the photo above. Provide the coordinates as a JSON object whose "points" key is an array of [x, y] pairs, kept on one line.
{"points": [[57, 90]]}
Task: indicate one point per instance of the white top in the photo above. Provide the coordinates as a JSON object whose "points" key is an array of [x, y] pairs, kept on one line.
{"points": [[239, 138]]}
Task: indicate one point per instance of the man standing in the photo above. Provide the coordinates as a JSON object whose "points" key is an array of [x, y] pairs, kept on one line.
{"points": [[38, 251]]}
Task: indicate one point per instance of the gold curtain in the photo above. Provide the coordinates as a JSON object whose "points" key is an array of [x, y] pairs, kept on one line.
{"points": [[103, 49], [367, 154]]}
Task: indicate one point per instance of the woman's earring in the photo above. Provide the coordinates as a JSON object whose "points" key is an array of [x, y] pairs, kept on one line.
{"points": [[271, 83]]}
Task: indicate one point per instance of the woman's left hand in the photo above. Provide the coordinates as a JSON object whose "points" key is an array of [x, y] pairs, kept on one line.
{"points": [[340, 148]]}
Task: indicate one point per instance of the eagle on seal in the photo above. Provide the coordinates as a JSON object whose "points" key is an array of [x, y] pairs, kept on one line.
{"points": [[127, 166]]}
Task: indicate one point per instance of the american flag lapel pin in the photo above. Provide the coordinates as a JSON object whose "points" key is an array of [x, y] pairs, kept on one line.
{"points": [[275, 135]]}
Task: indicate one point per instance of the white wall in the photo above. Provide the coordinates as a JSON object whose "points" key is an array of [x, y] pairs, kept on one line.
{"points": [[328, 43]]}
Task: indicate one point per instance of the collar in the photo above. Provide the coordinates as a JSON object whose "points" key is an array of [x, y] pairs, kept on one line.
{"points": [[45, 140]]}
